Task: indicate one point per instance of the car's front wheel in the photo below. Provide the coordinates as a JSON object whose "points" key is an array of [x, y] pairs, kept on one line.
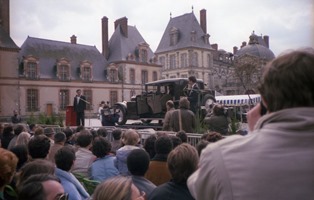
{"points": [[120, 110]]}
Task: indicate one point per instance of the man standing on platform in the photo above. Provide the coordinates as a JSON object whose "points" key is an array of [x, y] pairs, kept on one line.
{"points": [[193, 94], [79, 105]]}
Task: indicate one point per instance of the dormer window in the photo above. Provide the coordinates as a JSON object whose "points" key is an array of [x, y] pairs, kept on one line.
{"points": [[113, 73], [174, 36], [143, 52], [31, 67], [63, 69], [86, 71], [143, 55]]}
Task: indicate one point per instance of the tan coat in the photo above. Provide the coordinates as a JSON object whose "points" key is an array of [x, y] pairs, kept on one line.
{"points": [[158, 172]]}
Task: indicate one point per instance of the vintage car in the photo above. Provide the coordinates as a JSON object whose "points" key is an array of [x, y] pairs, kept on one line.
{"points": [[151, 104]]}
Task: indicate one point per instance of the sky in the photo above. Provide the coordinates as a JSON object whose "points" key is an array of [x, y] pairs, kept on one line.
{"points": [[288, 23]]}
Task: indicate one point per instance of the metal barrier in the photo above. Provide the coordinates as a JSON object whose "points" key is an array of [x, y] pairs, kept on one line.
{"points": [[193, 138]]}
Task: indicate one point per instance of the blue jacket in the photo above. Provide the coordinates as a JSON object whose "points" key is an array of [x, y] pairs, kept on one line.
{"points": [[121, 158], [71, 185], [103, 168]]}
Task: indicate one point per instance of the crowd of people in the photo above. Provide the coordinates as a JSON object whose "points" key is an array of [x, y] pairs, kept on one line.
{"points": [[273, 161], [64, 164]]}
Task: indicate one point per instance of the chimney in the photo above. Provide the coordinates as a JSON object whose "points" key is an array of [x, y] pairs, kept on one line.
{"points": [[123, 22], [5, 15], [235, 50], [73, 39], [266, 40], [214, 46], [243, 45], [105, 41], [203, 20]]}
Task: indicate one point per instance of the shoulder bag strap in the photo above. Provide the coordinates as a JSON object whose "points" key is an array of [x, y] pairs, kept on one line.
{"points": [[180, 120]]}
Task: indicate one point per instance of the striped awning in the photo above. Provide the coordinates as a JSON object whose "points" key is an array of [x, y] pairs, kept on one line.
{"points": [[238, 100]]}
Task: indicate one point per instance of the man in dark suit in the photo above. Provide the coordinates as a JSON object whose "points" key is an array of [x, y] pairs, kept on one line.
{"points": [[193, 94], [79, 105]]}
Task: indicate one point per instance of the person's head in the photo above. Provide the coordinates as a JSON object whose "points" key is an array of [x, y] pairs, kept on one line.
{"points": [[169, 104], [42, 186], [59, 138], [192, 80], [21, 153], [212, 137], [102, 132], [182, 162], [8, 162], [163, 145], [38, 146], [130, 137], [64, 158], [202, 144], [149, 145], [218, 110], [176, 141], [78, 92], [32, 127], [49, 132], [118, 188], [84, 139], [23, 138], [79, 128], [182, 135], [15, 112], [288, 81], [116, 134], [184, 103], [101, 147], [37, 166], [138, 162], [39, 131], [18, 129], [8, 129], [68, 133]]}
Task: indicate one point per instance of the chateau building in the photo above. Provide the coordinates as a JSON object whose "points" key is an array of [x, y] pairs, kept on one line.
{"points": [[185, 50], [42, 75]]}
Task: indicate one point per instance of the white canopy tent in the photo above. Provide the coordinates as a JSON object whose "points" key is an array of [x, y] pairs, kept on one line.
{"points": [[238, 100]]}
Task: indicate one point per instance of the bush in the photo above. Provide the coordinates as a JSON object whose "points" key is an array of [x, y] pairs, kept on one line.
{"points": [[48, 120]]}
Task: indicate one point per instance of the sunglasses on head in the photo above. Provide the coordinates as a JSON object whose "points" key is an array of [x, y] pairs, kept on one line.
{"points": [[64, 196]]}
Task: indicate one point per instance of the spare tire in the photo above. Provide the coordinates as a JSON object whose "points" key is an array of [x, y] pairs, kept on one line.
{"points": [[120, 110]]}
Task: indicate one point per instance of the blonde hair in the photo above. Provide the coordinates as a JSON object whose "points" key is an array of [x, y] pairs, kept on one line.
{"points": [[8, 162], [118, 188], [130, 137], [23, 138]]}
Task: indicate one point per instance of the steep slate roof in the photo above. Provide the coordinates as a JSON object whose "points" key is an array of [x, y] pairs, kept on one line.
{"points": [[120, 46], [49, 51], [185, 24], [6, 41]]}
